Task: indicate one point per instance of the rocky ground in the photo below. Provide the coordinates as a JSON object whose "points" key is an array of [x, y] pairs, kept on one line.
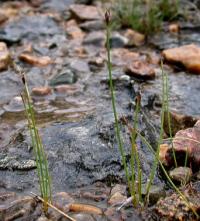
{"points": [[61, 48]]}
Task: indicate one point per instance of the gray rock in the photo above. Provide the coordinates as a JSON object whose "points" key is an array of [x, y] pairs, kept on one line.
{"points": [[181, 174], [7, 162], [66, 77], [118, 41], [96, 38], [92, 25], [29, 27]]}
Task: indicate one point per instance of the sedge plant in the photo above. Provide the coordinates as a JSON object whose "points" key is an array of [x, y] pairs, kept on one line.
{"points": [[134, 133], [38, 149]]}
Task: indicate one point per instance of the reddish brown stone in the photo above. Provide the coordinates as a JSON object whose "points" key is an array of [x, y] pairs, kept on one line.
{"points": [[188, 56], [134, 38], [174, 28], [73, 30], [141, 70], [34, 60], [66, 89], [83, 12], [41, 91]]}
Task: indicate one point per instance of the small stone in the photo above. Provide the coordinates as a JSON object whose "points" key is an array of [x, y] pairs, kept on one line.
{"points": [[67, 77], [83, 217], [181, 174], [4, 56], [73, 30], [117, 198], [118, 188], [118, 41], [66, 89], [187, 141], [98, 62], [188, 56], [42, 218], [174, 28], [141, 70], [164, 150], [15, 105], [34, 60], [83, 12], [95, 25], [178, 122], [134, 38], [41, 91]]}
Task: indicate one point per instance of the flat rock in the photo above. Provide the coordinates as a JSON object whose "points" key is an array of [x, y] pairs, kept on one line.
{"points": [[35, 60], [83, 12], [8, 162], [188, 56], [94, 25], [4, 56], [29, 27], [140, 70], [66, 77], [41, 91]]}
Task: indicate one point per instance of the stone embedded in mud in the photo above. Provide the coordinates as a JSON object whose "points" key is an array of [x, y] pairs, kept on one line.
{"points": [[181, 174], [83, 12], [4, 56], [140, 70], [134, 38], [41, 91], [178, 122], [187, 141], [83, 217], [188, 56], [66, 77], [35, 60]]}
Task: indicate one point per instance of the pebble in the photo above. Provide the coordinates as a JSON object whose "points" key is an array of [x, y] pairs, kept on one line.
{"points": [[66, 77], [34, 60], [187, 55], [96, 38], [134, 38], [4, 56], [140, 70], [84, 12], [181, 174], [41, 91]]}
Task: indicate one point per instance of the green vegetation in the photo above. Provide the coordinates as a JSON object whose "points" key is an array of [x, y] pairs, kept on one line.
{"points": [[41, 160], [134, 183], [145, 16]]}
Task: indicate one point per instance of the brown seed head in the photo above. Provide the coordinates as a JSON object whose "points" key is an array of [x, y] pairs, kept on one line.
{"points": [[107, 17]]}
